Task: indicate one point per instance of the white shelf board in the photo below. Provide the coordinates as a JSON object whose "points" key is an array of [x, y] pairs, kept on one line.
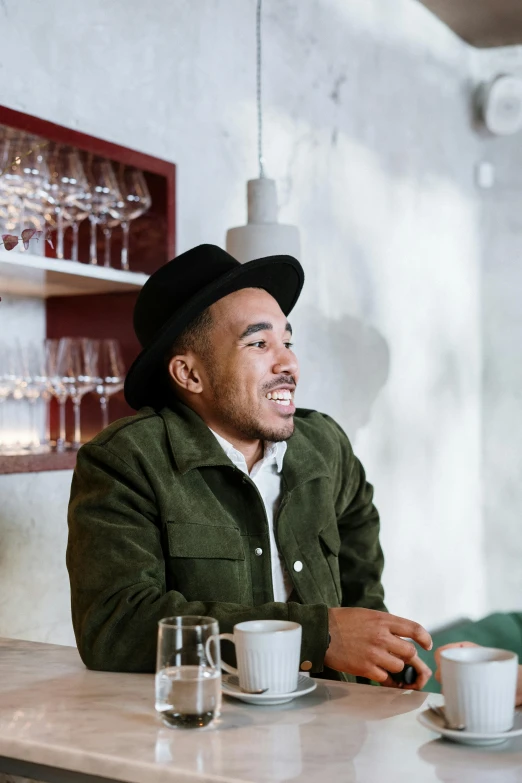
{"points": [[24, 274]]}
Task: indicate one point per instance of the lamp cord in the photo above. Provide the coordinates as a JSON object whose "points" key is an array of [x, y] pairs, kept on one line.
{"points": [[258, 92]]}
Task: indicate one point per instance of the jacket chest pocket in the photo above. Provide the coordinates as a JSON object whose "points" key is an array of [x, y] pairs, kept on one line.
{"points": [[206, 562]]}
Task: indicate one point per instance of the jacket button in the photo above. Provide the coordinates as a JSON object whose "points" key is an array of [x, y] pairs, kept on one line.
{"points": [[306, 666], [298, 566], [258, 551]]}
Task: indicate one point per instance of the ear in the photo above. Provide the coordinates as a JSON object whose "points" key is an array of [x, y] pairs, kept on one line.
{"points": [[185, 374]]}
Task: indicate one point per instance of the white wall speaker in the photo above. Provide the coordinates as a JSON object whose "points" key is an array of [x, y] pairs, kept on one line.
{"points": [[500, 104]]}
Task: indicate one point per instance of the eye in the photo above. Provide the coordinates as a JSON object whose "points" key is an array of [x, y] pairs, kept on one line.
{"points": [[258, 344], [289, 346]]}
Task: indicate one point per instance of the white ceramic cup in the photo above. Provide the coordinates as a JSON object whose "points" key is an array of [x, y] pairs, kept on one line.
{"points": [[268, 653], [479, 686]]}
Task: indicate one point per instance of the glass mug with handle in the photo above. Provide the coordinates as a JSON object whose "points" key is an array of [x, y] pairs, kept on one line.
{"points": [[268, 655], [188, 672]]}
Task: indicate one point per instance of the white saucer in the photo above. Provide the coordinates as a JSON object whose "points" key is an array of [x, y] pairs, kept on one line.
{"points": [[304, 685], [434, 723]]}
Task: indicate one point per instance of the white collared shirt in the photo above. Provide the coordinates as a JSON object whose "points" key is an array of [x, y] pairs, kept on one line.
{"points": [[266, 475]]}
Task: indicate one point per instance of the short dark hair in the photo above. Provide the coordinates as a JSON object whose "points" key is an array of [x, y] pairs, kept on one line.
{"points": [[195, 337]]}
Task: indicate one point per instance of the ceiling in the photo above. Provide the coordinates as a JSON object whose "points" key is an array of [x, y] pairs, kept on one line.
{"points": [[482, 23]]}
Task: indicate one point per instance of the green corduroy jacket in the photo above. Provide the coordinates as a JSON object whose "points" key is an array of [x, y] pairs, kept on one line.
{"points": [[162, 523]]}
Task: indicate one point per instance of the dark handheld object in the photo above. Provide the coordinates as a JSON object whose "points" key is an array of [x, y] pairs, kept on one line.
{"points": [[407, 676]]}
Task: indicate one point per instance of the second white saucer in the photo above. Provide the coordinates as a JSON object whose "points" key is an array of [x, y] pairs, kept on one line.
{"points": [[434, 723]]}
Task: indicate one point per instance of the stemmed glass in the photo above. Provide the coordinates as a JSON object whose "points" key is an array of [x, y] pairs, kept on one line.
{"points": [[43, 383], [5, 197], [32, 389], [111, 371], [27, 174], [7, 386], [76, 212], [136, 200], [68, 187], [77, 367], [56, 387], [12, 181], [14, 378], [105, 198]]}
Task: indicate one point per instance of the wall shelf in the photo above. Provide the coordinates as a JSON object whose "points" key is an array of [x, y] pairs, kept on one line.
{"points": [[81, 300], [35, 463], [24, 274]]}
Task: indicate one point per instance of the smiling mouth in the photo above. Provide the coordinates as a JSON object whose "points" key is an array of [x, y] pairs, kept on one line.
{"points": [[283, 397]]}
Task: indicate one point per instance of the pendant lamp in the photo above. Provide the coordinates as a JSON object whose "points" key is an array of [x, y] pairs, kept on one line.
{"points": [[263, 235]]}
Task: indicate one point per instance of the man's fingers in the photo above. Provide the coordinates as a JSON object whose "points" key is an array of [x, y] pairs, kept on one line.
{"points": [[423, 673], [401, 648], [377, 675], [390, 663], [389, 683], [401, 627]]}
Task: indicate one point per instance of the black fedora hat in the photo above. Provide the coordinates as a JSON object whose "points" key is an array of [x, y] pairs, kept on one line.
{"points": [[180, 290]]}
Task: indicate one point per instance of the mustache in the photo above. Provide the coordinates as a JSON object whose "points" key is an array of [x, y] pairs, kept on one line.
{"points": [[283, 380]]}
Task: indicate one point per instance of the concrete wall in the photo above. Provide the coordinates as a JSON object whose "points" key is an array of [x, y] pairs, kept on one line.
{"points": [[501, 323], [368, 133]]}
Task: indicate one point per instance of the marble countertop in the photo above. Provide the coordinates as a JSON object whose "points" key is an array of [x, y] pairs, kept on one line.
{"points": [[54, 712]]}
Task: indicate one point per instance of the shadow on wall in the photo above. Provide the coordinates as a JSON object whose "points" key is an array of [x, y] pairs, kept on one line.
{"points": [[344, 365]]}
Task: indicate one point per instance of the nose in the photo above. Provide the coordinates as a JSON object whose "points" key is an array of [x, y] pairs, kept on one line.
{"points": [[286, 364]]}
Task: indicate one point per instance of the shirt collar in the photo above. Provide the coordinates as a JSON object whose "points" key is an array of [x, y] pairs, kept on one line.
{"points": [[273, 453]]}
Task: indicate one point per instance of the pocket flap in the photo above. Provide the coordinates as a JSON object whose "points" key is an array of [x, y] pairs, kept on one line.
{"points": [[330, 536], [206, 541]]}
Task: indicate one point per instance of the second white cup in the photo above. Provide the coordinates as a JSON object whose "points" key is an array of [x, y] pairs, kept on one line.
{"points": [[268, 654], [479, 686]]}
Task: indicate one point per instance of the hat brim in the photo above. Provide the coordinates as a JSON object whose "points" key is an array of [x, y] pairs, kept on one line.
{"points": [[281, 276]]}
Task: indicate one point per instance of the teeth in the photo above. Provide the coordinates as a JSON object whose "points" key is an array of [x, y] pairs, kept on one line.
{"points": [[283, 395]]}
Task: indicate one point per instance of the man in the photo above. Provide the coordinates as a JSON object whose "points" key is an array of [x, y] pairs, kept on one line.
{"points": [[219, 497]]}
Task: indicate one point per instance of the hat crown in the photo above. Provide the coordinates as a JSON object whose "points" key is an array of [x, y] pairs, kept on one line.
{"points": [[174, 284]]}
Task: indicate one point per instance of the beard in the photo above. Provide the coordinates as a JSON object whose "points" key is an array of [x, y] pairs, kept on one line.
{"points": [[247, 422]]}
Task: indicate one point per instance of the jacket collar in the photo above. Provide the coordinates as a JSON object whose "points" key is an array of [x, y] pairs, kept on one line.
{"points": [[193, 445]]}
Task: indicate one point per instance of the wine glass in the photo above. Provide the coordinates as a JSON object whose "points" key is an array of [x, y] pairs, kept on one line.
{"points": [[36, 387], [77, 367], [105, 195], [12, 182], [27, 173], [136, 200], [6, 389], [56, 387], [67, 186], [5, 196], [76, 212], [111, 375], [14, 376]]}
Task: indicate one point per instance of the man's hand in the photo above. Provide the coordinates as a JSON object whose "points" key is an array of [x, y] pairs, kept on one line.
{"points": [[368, 644], [424, 673], [518, 695]]}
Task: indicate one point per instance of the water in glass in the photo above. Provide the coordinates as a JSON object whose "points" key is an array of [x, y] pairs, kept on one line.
{"points": [[188, 672], [188, 696]]}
